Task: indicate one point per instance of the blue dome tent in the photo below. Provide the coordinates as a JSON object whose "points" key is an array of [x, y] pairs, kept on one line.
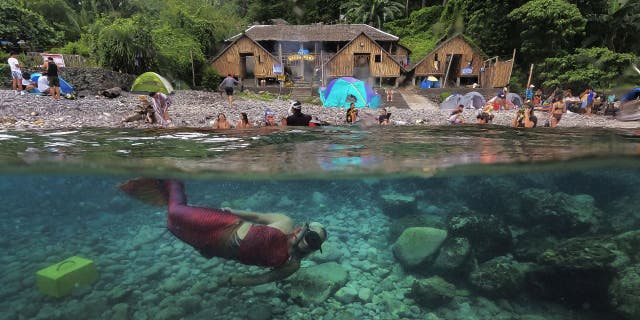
{"points": [[341, 92]]}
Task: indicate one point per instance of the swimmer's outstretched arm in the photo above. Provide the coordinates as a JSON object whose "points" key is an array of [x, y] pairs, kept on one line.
{"points": [[282, 272], [277, 220]]}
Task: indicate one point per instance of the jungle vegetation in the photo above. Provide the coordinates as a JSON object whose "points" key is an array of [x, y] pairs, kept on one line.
{"points": [[571, 42]]}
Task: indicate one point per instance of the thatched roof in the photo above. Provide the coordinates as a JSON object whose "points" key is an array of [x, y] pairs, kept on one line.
{"points": [[314, 32]]}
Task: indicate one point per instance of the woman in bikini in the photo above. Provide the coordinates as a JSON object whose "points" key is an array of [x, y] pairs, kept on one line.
{"points": [[243, 123], [260, 239], [221, 122]]}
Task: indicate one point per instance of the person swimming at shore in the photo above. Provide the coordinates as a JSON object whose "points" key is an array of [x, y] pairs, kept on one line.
{"points": [[251, 238]]}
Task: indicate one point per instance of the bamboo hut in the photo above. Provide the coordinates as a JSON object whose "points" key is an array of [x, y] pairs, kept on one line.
{"points": [[364, 59], [245, 58], [303, 51], [455, 61]]}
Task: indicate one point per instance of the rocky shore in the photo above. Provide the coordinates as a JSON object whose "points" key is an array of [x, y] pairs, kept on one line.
{"points": [[196, 108]]}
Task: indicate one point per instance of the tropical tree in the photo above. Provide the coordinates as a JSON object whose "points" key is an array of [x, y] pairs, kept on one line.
{"points": [[125, 44], [19, 23], [596, 67], [548, 28], [372, 12], [616, 25]]}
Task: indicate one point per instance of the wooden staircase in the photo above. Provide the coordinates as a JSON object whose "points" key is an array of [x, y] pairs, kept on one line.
{"points": [[301, 90]]}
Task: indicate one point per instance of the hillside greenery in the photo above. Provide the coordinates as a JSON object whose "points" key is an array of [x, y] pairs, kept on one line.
{"points": [[571, 42]]}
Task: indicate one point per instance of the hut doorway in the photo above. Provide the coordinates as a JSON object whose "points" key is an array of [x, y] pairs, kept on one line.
{"points": [[452, 71], [361, 66], [247, 65]]}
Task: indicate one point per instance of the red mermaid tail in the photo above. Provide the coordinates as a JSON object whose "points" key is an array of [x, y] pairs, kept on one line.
{"points": [[148, 190]]}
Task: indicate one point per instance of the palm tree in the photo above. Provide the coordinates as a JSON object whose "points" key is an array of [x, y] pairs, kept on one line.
{"points": [[618, 27], [372, 12]]}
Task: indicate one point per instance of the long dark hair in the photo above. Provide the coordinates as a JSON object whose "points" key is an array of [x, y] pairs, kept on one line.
{"points": [[244, 118]]}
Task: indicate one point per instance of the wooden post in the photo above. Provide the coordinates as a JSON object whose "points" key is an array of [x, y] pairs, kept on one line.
{"points": [[530, 75], [446, 75], [513, 61], [193, 70]]}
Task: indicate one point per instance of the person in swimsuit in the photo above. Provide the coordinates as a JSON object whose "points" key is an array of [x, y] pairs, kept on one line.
{"points": [[557, 109], [259, 239], [221, 122]]}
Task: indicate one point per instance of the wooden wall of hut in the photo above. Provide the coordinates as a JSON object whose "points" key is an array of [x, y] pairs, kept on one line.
{"points": [[342, 64], [229, 60], [501, 73], [456, 45]]}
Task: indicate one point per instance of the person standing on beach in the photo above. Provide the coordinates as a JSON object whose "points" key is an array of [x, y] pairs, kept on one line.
{"points": [[52, 75], [161, 104], [228, 83], [16, 73]]}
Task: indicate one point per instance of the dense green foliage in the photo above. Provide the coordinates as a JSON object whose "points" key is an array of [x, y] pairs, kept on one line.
{"points": [[594, 67], [177, 38]]}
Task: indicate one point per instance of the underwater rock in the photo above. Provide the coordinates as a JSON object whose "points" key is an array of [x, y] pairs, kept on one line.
{"points": [[260, 311], [432, 292], [583, 253], [346, 295], [398, 225], [558, 212], [120, 311], [452, 256], [397, 205], [315, 284], [625, 292], [118, 294], [531, 244], [488, 234], [623, 213], [417, 245], [578, 271], [499, 277], [629, 242]]}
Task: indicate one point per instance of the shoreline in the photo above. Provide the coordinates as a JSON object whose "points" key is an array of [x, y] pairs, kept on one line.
{"points": [[191, 108]]}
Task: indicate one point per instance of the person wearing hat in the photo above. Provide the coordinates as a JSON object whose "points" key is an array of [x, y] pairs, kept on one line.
{"points": [[259, 239], [297, 118], [528, 94]]}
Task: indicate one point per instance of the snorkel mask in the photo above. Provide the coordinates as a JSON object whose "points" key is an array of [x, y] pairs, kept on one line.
{"points": [[311, 238]]}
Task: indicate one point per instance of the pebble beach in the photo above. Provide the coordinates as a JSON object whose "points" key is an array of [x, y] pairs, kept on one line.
{"points": [[196, 109]]}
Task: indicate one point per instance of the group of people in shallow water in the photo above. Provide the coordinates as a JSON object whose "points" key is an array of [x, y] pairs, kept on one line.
{"points": [[295, 118]]}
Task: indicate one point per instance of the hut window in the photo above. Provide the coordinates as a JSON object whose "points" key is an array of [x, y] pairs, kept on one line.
{"points": [[377, 58], [259, 59]]}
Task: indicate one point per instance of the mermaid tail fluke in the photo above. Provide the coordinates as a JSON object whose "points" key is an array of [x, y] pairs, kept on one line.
{"points": [[148, 190]]}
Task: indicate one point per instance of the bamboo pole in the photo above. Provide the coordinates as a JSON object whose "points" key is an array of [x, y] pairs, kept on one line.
{"points": [[513, 61], [530, 75]]}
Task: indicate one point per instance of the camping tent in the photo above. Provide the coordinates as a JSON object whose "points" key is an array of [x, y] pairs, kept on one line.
{"points": [[342, 91], [473, 100], [65, 87], [451, 102], [515, 99], [151, 82], [631, 95]]}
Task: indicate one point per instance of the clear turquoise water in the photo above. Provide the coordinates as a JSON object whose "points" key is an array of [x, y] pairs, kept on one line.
{"points": [[60, 200]]}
